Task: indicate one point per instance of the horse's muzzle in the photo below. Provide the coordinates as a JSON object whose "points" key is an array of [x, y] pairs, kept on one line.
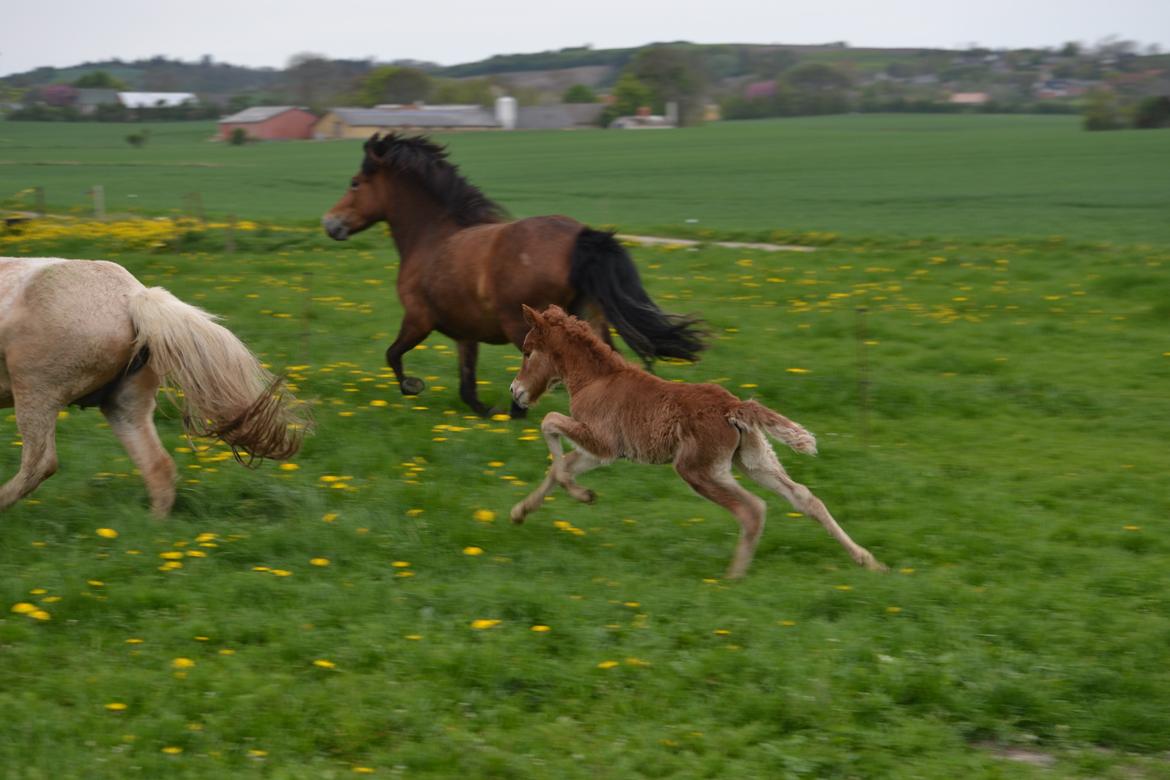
{"points": [[519, 395], [335, 227]]}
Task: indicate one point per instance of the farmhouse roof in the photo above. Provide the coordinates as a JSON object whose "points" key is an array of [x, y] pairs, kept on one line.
{"points": [[152, 99], [414, 117], [257, 114], [558, 116]]}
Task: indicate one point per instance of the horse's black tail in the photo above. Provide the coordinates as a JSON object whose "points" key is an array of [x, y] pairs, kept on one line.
{"points": [[602, 271]]}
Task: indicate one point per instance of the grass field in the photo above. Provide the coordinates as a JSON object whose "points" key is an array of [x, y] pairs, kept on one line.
{"points": [[872, 176], [993, 427]]}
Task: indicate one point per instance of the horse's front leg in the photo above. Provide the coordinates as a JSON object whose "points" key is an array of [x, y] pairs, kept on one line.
{"points": [[410, 335], [468, 355], [589, 453]]}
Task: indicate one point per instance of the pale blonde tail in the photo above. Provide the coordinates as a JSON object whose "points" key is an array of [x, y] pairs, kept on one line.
{"points": [[226, 393], [752, 414]]}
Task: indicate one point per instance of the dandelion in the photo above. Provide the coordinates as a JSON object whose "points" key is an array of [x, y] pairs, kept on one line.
{"points": [[116, 706], [482, 624], [329, 517], [107, 533], [324, 663], [400, 564], [414, 637], [893, 610], [319, 561], [473, 551], [797, 370], [23, 608], [540, 629], [722, 632], [172, 750], [608, 664], [182, 663], [256, 753], [289, 466], [40, 614], [484, 515], [364, 770], [843, 587]]}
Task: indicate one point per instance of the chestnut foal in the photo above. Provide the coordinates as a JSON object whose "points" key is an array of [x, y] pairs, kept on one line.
{"points": [[620, 411]]}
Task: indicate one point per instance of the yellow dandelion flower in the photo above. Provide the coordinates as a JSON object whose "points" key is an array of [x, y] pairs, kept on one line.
{"points": [[289, 466], [484, 623], [23, 608], [797, 370], [171, 555], [107, 533], [364, 770], [400, 564], [414, 637], [39, 614], [324, 663], [893, 610], [172, 750], [134, 641], [379, 402], [473, 551], [540, 629], [257, 753], [182, 663], [115, 706], [722, 632], [319, 561], [282, 572], [608, 664], [484, 515]]}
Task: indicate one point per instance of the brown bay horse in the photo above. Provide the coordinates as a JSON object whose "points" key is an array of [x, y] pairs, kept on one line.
{"points": [[619, 411], [86, 332], [465, 269]]}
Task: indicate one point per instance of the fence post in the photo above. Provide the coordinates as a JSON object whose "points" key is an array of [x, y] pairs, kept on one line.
{"points": [[99, 201], [230, 241], [39, 208]]}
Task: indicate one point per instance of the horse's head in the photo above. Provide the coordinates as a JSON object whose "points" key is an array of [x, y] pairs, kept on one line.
{"points": [[365, 202], [540, 371]]}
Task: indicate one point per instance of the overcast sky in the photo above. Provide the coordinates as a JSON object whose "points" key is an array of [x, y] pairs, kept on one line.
{"points": [[267, 32]]}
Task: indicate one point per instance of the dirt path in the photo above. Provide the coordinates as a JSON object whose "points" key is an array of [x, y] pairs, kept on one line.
{"points": [[660, 240]]}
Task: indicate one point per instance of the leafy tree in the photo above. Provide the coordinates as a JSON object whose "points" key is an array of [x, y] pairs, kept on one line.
{"points": [[393, 84], [1152, 112], [579, 93], [238, 136], [99, 79], [467, 91], [1102, 111], [673, 74], [629, 94]]}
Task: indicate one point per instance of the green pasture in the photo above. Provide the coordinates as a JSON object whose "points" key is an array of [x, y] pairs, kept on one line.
{"points": [[872, 175], [991, 414]]}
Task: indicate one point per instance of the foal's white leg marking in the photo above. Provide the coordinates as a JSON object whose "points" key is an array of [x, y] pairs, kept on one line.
{"points": [[757, 459], [37, 420]]}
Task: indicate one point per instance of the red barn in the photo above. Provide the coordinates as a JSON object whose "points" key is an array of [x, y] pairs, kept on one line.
{"points": [[269, 123]]}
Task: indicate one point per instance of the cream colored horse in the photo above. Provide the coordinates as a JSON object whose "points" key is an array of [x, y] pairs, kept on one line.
{"points": [[87, 332]]}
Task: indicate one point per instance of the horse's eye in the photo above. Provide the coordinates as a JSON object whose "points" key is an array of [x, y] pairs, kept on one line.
{"points": [[353, 184]]}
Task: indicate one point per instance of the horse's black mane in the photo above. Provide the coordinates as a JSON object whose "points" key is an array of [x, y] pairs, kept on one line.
{"points": [[426, 162]]}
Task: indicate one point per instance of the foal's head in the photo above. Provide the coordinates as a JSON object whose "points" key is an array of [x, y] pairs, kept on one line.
{"points": [[407, 171], [540, 370]]}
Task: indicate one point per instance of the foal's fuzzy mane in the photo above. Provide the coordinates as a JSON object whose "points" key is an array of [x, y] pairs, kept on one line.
{"points": [[426, 162], [579, 333]]}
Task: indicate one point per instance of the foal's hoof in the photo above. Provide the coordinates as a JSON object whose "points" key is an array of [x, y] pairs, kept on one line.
{"points": [[412, 385], [517, 514], [584, 495]]}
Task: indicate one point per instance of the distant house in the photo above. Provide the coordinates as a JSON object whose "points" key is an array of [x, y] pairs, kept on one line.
{"points": [[156, 99], [269, 123], [88, 100], [560, 116], [362, 122], [644, 120]]}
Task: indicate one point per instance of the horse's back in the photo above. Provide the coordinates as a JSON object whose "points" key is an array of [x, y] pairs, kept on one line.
{"points": [[64, 322]]}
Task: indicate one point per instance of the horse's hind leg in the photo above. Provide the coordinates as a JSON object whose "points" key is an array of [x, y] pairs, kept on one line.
{"points": [[468, 355], [36, 417], [757, 459], [709, 475], [131, 414], [410, 335]]}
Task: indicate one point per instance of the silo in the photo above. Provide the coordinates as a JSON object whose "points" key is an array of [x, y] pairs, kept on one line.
{"points": [[506, 112]]}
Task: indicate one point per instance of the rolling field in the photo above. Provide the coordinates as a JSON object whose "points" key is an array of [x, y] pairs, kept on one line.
{"points": [[990, 408]]}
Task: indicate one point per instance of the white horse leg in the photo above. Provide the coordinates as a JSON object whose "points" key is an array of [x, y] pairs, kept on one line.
{"points": [[36, 418], [757, 459], [131, 414]]}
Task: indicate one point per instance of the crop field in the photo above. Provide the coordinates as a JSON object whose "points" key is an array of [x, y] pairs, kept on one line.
{"points": [[983, 351]]}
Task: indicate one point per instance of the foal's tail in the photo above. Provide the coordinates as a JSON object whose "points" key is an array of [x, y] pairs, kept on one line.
{"points": [[754, 415], [226, 393], [602, 271]]}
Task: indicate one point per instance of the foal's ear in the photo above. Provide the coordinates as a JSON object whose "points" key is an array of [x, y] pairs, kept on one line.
{"points": [[531, 315]]}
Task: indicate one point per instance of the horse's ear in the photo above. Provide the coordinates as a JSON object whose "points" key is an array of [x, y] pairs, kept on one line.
{"points": [[531, 315], [375, 147]]}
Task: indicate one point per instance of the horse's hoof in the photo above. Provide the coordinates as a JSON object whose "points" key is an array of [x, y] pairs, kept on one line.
{"points": [[584, 495], [517, 515], [518, 412], [412, 385]]}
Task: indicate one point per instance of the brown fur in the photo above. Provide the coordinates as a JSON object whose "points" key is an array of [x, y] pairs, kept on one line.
{"points": [[619, 411], [464, 269], [68, 331]]}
